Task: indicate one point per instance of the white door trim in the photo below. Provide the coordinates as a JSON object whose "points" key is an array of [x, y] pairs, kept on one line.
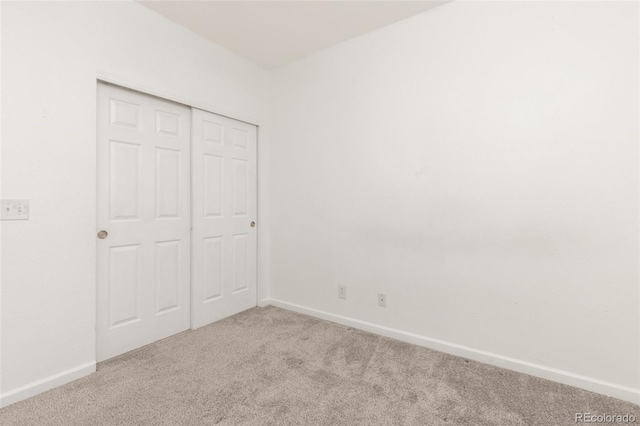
{"points": [[116, 80]]}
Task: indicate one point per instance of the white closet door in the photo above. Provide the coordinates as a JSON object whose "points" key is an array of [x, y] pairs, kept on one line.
{"points": [[143, 265], [224, 208]]}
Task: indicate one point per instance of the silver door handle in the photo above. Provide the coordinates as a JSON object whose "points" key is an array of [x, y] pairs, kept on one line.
{"points": [[253, 224], [103, 234]]}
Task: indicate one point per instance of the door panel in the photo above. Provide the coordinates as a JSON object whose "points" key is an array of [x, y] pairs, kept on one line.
{"points": [[240, 262], [167, 276], [124, 180], [212, 182], [212, 262], [143, 203], [167, 183], [124, 284], [224, 205]]}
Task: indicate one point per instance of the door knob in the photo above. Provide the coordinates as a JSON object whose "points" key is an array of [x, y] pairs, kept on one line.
{"points": [[253, 224], [103, 234]]}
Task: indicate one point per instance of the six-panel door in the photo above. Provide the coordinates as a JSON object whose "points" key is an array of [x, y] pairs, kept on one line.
{"points": [[143, 202], [224, 206]]}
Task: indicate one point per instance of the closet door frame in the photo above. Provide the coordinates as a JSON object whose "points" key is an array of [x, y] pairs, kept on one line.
{"points": [[117, 80]]}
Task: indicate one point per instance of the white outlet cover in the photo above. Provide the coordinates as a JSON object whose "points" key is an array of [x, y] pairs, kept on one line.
{"points": [[342, 292], [14, 209], [382, 300]]}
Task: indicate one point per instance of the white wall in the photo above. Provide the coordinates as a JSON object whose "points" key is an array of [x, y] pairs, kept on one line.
{"points": [[52, 53], [477, 163], [0, 197]]}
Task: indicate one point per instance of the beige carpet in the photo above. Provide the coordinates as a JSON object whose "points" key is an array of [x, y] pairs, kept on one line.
{"points": [[269, 366]]}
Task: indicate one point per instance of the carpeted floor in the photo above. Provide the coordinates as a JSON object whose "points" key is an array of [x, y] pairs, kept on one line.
{"points": [[269, 366]]}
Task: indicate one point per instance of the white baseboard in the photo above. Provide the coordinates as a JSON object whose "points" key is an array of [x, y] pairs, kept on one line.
{"points": [[48, 383], [565, 377]]}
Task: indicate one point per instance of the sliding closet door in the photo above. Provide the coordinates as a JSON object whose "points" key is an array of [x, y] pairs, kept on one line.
{"points": [[224, 214], [143, 247]]}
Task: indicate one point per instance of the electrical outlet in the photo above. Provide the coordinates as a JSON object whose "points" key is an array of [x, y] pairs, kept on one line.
{"points": [[382, 300], [342, 291]]}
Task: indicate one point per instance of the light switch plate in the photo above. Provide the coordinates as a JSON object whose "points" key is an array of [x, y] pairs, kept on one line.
{"points": [[14, 209]]}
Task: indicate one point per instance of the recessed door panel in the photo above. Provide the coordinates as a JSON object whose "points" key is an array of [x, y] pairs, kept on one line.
{"points": [[213, 268], [124, 284], [240, 259], [167, 183], [167, 124], [124, 180], [124, 114], [212, 185], [167, 277], [212, 132], [240, 138], [240, 188]]}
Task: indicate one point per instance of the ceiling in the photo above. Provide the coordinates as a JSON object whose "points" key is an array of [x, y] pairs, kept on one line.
{"points": [[274, 33]]}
